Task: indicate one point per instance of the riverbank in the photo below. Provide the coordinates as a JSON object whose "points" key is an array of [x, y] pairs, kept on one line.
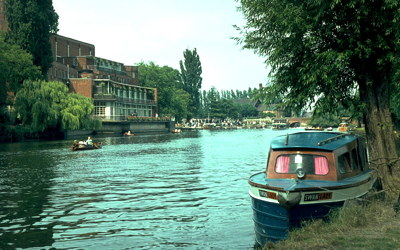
{"points": [[18, 133], [372, 226]]}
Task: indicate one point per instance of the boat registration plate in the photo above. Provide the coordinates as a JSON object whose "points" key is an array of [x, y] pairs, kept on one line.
{"points": [[318, 196], [269, 195]]}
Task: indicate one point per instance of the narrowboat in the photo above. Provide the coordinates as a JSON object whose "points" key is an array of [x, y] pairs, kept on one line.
{"points": [[307, 175]]}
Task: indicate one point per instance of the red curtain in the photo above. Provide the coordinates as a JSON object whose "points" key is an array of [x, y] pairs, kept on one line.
{"points": [[282, 164], [321, 165]]}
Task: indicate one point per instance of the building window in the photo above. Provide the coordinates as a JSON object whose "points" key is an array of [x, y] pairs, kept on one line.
{"points": [[100, 109]]}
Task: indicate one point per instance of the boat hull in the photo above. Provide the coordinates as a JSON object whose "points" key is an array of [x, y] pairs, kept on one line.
{"points": [[277, 210], [77, 147], [272, 221]]}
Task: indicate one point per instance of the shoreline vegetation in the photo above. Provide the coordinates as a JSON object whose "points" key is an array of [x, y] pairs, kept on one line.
{"points": [[375, 225]]}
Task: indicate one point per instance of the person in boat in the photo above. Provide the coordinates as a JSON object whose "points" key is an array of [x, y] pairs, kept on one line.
{"points": [[129, 132], [89, 141], [81, 144]]}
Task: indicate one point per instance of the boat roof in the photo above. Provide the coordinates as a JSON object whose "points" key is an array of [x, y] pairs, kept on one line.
{"points": [[326, 141]]}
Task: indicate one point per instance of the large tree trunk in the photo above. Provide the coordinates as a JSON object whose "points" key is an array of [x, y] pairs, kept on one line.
{"points": [[380, 137]]}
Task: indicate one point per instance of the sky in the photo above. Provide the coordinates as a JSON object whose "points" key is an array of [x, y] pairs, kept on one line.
{"points": [[159, 31]]}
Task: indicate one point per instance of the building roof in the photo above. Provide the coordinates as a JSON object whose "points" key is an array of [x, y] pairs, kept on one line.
{"points": [[326, 141]]}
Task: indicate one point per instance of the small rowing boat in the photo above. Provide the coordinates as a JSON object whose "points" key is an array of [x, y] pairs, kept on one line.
{"points": [[81, 146]]}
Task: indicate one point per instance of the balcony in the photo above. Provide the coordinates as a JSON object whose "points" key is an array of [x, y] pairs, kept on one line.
{"points": [[113, 98], [105, 97], [108, 70]]}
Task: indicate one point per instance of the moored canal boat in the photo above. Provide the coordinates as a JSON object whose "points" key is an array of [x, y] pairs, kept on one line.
{"points": [[308, 174]]}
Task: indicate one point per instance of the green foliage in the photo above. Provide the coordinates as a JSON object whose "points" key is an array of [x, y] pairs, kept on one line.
{"points": [[48, 105], [269, 114], [321, 52], [331, 53], [223, 106], [16, 66], [31, 23], [191, 79], [172, 99], [76, 113], [355, 226]]}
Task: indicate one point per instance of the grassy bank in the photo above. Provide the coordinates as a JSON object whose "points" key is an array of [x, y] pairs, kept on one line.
{"points": [[373, 226]]}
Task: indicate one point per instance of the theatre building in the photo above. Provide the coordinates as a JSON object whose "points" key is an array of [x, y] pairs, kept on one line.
{"points": [[112, 85]]}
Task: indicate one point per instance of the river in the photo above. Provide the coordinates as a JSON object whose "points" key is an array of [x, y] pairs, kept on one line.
{"points": [[165, 191]]}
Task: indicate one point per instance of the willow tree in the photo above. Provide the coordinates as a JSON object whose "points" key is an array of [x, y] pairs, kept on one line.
{"points": [[48, 106], [31, 22], [191, 79], [325, 52]]}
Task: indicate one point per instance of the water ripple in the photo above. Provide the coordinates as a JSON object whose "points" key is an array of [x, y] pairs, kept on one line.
{"points": [[152, 191]]}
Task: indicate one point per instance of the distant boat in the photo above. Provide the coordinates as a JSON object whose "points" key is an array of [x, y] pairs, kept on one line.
{"points": [[308, 174], [129, 133], [176, 131], [280, 126], [314, 128], [343, 127], [81, 146]]}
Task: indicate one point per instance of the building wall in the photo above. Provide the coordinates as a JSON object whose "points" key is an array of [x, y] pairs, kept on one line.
{"points": [[61, 71], [82, 86], [65, 52], [65, 47]]}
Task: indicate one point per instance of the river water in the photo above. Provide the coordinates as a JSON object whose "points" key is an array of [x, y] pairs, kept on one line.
{"points": [[165, 191]]}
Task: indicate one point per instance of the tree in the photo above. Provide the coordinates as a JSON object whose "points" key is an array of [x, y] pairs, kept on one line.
{"points": [[333, 52], [191, 79], [48, 106], [213, 109], [16, 65], [173, 100], [31, 23]]}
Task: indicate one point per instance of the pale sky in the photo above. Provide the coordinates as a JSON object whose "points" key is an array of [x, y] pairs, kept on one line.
{"points": [[131, 31]]}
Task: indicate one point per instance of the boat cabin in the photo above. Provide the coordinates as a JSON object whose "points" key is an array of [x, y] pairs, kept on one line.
{"points": [[327, 156]]}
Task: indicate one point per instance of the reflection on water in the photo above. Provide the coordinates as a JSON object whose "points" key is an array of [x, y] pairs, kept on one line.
{"points": [[185, 190]]}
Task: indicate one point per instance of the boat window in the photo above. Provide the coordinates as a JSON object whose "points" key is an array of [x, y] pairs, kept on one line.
{"points": [[344, 164], [311, 164], [355, 163]]}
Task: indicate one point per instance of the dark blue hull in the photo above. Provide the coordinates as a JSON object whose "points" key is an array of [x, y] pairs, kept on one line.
{"points": [[273, 221]]}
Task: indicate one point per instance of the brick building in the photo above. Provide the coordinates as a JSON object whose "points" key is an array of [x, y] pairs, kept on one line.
{"points": [[113, 86]]}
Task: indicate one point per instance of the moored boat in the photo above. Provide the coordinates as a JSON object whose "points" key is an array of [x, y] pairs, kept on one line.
{"points": [[314, 128], [308, 174], [129, 133], [343, 127], [176, 131]]}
